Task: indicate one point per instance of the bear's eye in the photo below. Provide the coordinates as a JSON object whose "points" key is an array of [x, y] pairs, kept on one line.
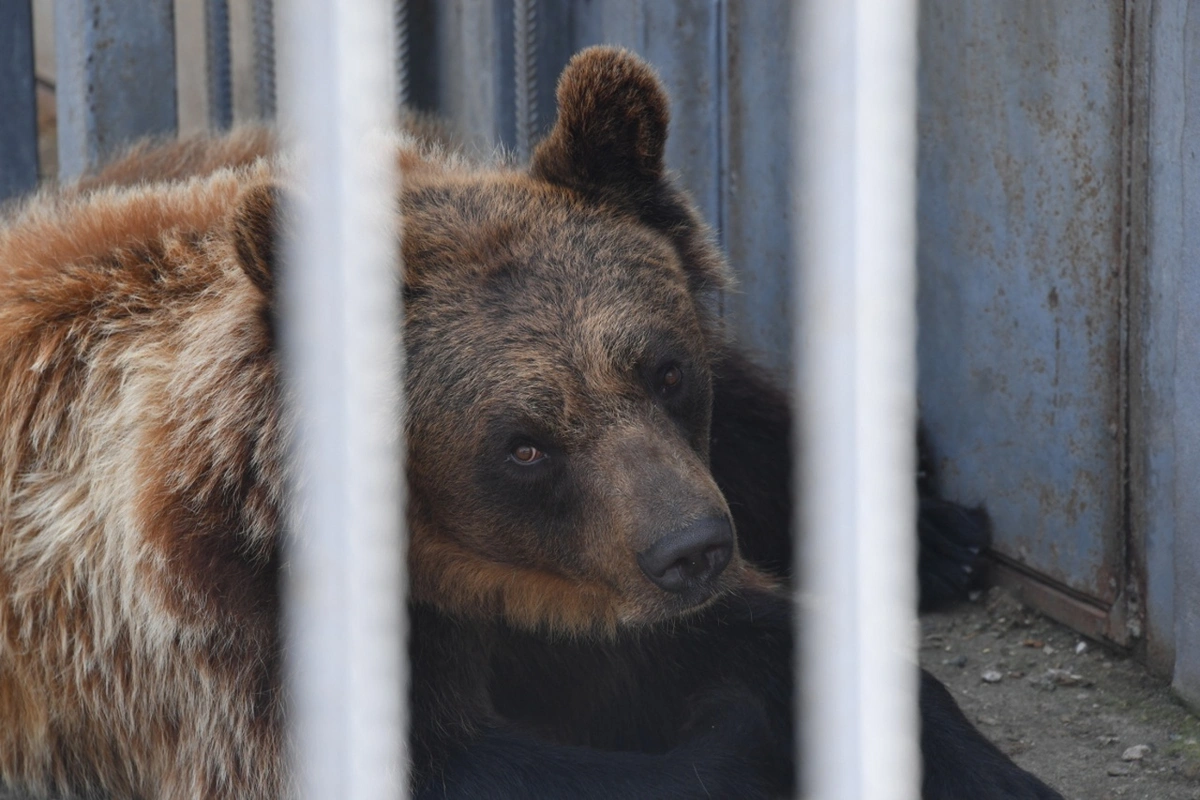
{"points": [[526, 455], [670, 381]]}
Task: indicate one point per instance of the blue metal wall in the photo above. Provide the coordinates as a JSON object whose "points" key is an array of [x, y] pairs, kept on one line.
{"points": [[1023, 262], [1060, 302]]}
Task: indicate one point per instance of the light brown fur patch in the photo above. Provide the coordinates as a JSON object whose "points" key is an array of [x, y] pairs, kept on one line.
{"points": [[137, 406]]}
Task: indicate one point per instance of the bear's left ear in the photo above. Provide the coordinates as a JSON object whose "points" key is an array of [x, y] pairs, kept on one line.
{"points": [[612, 124], [255, 229]]}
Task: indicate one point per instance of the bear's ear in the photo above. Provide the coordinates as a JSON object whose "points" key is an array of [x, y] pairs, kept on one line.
{"points": [[612, 124], [255, 228]]}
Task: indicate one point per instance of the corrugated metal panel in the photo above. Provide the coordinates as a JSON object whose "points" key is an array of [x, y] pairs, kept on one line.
{"points": [[1022, 279], [18, 122], [116, 76]]}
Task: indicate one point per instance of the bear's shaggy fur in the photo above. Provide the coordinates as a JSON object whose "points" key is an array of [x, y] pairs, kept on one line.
{"points": [[564, 363]]}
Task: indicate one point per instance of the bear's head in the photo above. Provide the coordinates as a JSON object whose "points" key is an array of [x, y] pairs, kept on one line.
{"points": [[560, 335], [560, 330]]}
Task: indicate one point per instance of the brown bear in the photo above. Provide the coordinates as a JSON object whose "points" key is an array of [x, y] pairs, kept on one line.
{"points": [[582, 447]]}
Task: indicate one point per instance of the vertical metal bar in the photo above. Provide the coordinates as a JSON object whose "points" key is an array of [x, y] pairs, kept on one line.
{"points": [[346, 587], [264, 55], [856, 183], [220, 78], [116, 76], [18, 106], [525, 52]]}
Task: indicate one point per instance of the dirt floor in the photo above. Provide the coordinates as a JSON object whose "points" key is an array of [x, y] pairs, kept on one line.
{"points": [[1087, 720]]}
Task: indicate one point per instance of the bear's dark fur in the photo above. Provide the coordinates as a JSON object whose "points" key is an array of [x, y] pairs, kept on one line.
{"points": [[583, 622], [751, 460]]}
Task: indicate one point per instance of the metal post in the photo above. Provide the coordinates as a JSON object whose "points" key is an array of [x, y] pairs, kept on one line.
{"points": [[856, 82], [115, 77], [346, 584], [18, 121]]}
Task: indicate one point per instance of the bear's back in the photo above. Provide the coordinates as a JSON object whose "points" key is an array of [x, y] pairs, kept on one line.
{"points": [[138, 418]]}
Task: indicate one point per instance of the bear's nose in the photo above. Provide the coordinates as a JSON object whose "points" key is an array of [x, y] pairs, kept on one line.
{"points": [[689, 557]]}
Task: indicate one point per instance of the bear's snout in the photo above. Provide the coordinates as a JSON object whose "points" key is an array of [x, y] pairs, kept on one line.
{"points": [[688, 560]]}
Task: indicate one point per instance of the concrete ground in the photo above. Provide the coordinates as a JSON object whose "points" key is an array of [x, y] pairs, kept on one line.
{"points": [[1087, 720]]}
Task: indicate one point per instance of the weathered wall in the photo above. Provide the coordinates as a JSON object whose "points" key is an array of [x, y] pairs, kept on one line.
{"points": [[1022, 275]]}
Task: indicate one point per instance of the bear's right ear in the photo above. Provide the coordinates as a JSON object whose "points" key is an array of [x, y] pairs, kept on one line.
{"points": [[612, 124], [255, 228]]}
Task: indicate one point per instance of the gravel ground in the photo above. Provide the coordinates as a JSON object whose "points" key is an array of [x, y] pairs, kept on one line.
{"points": [[1086, 719]]}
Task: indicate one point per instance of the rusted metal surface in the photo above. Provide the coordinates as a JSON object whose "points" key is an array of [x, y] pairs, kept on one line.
{"points": [[1022, 277]]}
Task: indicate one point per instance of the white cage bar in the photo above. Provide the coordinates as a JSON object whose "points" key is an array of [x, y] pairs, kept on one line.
{"points": [[346, 585], [855, 78]]}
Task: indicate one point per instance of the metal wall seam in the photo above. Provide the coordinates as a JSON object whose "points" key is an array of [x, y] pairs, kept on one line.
{"points": [[345, 617], [855, 77]]}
